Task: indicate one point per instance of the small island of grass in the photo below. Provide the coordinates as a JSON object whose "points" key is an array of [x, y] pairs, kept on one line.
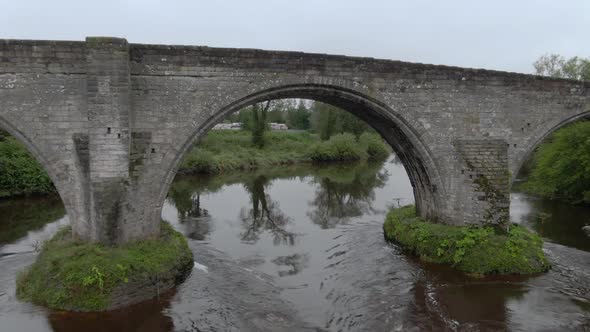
{"points": [[74, 276], [474, 250]]}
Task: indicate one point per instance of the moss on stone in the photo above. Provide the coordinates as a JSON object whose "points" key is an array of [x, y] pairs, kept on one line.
{"points": [[475, 250], [70, 275]]}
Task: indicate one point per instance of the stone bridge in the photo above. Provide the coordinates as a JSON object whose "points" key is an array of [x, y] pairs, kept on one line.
{"points": [[111, 121]]}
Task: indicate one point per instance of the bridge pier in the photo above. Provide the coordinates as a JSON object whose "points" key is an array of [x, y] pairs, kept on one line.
{"points": [[110, 192]]}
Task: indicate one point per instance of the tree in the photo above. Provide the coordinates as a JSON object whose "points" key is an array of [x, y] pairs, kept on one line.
{"points": [[555, 65], [562, 165], [259, 124], [299, 118], [329, 120], [326, 120]]}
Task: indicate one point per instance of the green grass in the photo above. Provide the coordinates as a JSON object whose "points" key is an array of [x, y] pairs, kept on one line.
{"points": [[82, 276], [475, 250], [224, 150]]}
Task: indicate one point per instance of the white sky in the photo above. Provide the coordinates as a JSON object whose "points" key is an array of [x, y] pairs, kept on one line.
{"points": [[494, 34]]}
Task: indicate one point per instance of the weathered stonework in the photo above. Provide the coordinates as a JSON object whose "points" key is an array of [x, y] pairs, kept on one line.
{"points": [[139, 108]]}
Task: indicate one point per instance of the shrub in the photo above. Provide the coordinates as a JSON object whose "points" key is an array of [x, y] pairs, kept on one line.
{"points": [[341, 147], [376, 148], [199, 161], [20, 173], [477, 250], [561, 166]]}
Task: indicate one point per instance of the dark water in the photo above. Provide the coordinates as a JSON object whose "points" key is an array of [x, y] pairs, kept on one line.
{"points": [[302, 249]]}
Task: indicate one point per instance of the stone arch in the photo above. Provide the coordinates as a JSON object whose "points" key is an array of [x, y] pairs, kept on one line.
{"points": [[544, 134], [401, 136], [49, 167]]}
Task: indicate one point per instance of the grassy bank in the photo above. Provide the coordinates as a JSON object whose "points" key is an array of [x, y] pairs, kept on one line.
{"points": [[475, 250], [224, 151], [83, 277]]}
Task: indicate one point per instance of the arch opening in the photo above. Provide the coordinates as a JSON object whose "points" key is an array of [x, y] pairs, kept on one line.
{"points": [[46, 205], [553, 165], [403, 139], [523, 162]]}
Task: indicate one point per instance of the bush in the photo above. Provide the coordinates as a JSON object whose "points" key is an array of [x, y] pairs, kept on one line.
{"points": [[199, 161], [20, 174], [561, 166], [477, 250], [341, 147], [376, 148]]}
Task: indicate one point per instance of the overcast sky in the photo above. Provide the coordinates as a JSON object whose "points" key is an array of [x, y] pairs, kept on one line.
{"points": [[494, 34]]}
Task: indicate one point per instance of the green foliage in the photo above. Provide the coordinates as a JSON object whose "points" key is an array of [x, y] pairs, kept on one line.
{"points": [[341, 147], [227, 150], [20, 173], [328, 120], [561, 166], [376, 148], [476, 250], [259, 125], [555, 65], [70, 275], [298, 118]]}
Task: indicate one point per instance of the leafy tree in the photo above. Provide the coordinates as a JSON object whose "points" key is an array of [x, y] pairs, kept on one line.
{"points": [[562, 165], [259, 124], [325, 120], [556, 65], [329, 120], [298, 118]]}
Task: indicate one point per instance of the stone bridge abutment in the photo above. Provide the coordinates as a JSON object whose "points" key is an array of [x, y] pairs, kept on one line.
{"points": [[111, 121]]}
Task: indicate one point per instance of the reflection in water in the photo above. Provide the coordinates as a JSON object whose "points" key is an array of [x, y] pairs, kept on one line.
{"points": [[145, 317], [264, 215], [295, 262], [190, 213], [559, 222], [301, 248], [24, 214], [346, 192]]}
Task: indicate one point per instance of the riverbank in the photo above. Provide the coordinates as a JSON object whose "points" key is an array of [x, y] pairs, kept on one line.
{"points": [[225, 151], [75, 276], [474, 250]]}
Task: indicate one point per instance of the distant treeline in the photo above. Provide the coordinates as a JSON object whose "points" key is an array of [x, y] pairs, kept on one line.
{"points": [[323, 119]]}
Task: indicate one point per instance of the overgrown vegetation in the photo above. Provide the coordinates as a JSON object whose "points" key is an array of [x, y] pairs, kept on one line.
{"points": [[70, 275], [225, 150], [475, 250], [20, 174], [561, 166]]}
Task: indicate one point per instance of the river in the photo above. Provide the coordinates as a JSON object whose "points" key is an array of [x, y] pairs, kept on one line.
{"points": [[301, 248]]}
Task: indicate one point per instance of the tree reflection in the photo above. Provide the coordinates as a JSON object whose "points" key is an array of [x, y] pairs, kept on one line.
{"points": [[187, 200], [345, 192], [295, 263], [265, 215]]}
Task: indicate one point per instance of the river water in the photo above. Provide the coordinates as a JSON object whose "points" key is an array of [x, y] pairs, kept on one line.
{"points": [[301, 248]]}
